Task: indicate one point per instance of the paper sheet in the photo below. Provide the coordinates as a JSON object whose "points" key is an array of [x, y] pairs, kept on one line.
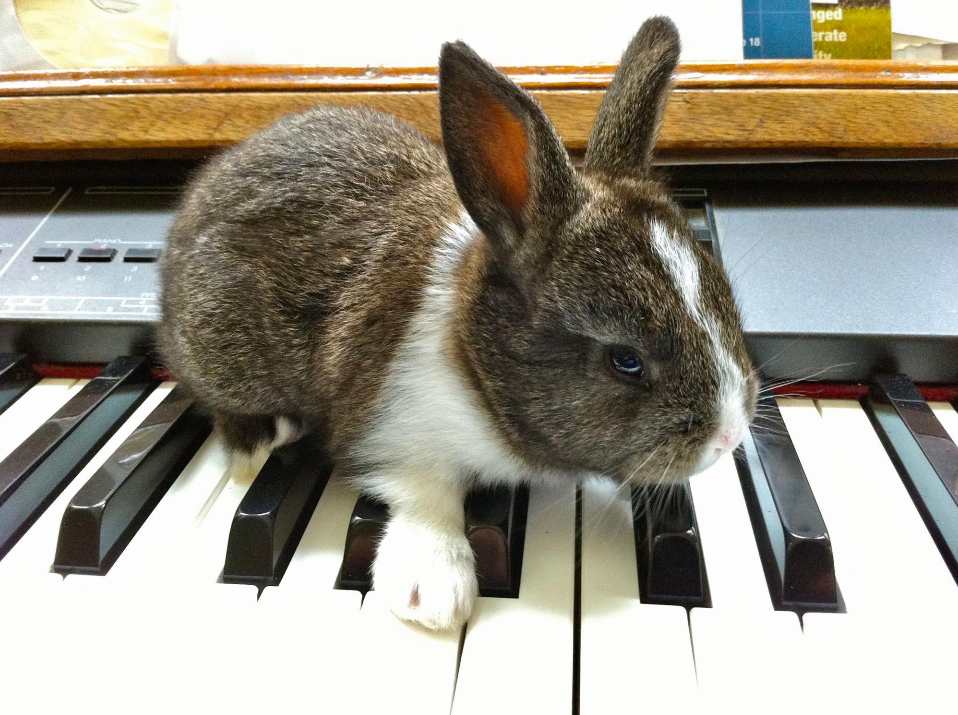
{"points": [[386, 33]]}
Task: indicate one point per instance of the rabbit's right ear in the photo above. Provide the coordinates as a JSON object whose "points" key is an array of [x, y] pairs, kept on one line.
{"points": [[507, 161], [627, 124]]}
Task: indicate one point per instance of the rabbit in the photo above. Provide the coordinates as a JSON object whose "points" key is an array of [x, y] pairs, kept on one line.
{"points": [[443, 317]]}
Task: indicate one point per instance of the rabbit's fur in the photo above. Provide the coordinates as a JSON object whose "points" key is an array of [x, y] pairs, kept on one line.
{"points": [[445, 317]]}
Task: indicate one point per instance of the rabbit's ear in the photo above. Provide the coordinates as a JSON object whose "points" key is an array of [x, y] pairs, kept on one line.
{"points": [[508, 163], [627, 125]]}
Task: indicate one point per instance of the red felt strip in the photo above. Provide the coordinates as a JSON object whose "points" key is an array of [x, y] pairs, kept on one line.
{"points": [[810, 390]]}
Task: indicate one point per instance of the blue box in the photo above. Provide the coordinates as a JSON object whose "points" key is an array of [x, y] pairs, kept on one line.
{"points": [[777, 29]]}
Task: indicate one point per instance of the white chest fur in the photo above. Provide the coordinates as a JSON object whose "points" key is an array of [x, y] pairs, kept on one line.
{"points": [[429, 418]]}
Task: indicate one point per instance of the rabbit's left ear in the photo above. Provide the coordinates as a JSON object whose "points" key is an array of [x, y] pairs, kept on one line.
{"points": [[627, 125], [508, 163]]}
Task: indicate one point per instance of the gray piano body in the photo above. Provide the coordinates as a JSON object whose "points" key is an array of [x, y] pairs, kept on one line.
{"points": [[841, 269]]}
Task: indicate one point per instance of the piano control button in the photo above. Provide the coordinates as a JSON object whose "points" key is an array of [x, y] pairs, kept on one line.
{"points": [[788, 526], [736, 577], [874, 527], [96, 255], [519, 652], [923, 453], [34, 473], [16, 377], [103, 515], [626, 646], [141, 255], [33, 552], [51, 255], [272, 516], [669, 548]]}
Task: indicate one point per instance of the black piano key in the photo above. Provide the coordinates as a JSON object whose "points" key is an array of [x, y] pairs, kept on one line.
{"points": [[495, 525], [40, 467], [16, 377], [789, 529], [105, 513], [923, 453], [271, 518], [366, 527], [668, 548]]}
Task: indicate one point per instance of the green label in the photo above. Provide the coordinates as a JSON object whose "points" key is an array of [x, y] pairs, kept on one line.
{"points": [[851, 30]]}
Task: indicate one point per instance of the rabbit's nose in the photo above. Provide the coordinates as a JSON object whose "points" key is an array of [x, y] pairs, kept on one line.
{"points": [[729, 439], [726, 439]]}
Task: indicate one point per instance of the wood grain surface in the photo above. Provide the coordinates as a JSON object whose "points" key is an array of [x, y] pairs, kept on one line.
{"points": [[720, 110]]}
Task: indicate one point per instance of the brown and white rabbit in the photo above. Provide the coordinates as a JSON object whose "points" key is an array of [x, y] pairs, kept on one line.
{"points": [[446, 317]]}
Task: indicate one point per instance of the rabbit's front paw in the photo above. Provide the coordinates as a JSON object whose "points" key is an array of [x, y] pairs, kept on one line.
{"points": [[426, 576]]}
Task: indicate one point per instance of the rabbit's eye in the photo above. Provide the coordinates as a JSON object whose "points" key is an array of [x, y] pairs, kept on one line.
{"points": [[625, 361]]}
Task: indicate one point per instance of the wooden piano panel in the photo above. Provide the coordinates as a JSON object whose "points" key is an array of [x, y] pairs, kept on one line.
{"points": [[718, 111]]}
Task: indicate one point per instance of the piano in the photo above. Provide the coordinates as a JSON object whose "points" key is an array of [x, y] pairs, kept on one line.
{"points": [[814, 570]]}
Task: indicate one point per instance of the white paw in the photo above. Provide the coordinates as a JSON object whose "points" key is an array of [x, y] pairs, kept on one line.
{"points": [[287, 432], [243, 466], [426, 576]]}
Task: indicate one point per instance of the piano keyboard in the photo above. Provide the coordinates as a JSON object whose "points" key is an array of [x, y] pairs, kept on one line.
{"points": [[814, 571]]}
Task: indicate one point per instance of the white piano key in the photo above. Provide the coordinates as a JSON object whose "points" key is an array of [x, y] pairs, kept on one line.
{"points": [[308, 645], [843, 662], [732, 562], [848, 523], [112, 641], [185, 538], [300, 626], [948, 417], [35, 550], [24, 660], [885, 559], [203, 553], [609, 567], [23, 592], [882, 662], [880, 653], [414, 669], [179, 511], [312, 628], [923, 569], [292, 604], [33, 408], [220, 669], [309, 629], [628, 649], [319, 555], [517, 653], [746, 660]]}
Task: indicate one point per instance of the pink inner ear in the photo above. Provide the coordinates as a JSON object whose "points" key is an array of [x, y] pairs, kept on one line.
{"points": [[502, 140]]}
